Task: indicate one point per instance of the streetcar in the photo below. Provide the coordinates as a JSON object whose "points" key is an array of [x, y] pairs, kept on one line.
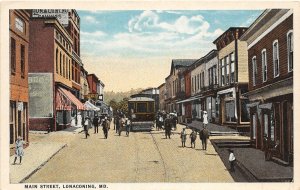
{"points": [[142, 113]]}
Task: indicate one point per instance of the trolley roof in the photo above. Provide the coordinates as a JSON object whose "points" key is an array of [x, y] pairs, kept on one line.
{"points": [[141, 99]]}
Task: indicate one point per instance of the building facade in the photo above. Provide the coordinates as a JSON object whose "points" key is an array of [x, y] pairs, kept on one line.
{"points": [[233, 79], [162, 96], [18, 47], [53, 99], [270, 58]]}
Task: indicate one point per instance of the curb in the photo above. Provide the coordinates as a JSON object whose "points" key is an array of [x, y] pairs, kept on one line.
{"points": [[41, 165]]}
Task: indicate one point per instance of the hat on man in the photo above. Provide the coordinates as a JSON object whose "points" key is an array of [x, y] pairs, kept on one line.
{"points": [[205, 112]]}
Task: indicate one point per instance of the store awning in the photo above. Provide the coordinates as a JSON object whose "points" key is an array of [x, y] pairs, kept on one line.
{"points": [[72, 98], [189, 99], [62, 102], [89, 106]]}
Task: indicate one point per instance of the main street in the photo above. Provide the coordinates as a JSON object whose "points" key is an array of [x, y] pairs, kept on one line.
{"points": [[141, 157]]}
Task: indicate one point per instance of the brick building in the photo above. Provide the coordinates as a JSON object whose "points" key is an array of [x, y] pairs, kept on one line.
{"points": [[270, 58], [162, 96], [233, 79], [19, 42], [52, 99]]}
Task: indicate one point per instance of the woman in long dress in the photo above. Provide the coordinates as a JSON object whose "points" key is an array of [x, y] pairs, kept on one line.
{"points": [[19, 149]]}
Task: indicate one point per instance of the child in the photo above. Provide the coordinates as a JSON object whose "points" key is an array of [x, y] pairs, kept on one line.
{"points": [[183, 137], [231, 160]]}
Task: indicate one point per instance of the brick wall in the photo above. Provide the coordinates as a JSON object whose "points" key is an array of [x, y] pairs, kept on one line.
{"points": [[279, 33], [19, 84], [41, 53]]}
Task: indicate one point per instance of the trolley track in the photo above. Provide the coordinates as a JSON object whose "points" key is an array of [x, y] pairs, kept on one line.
{"points": [[166, 176]]}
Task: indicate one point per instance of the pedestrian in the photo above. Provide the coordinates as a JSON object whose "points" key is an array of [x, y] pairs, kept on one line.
{"points": [[168, 127], [160, 122], [87, 126], [96, 124], [127, 124], [105, 127], [121, 124], [193, 137], [117, 123], [205, 121], [204, 135], [19, 149], [183, 137], [231, 160]]}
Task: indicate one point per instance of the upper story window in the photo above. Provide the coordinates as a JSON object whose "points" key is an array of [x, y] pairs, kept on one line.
{"points": [[22, 61], [290, 49], [20, 25], [12, 55], [264, 64], [227, 69], [276, 58], [254, 70], [232, 68], [222, 72]]}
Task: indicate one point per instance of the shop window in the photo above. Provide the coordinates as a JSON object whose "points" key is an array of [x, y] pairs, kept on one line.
{"points": [[290, 49], [276, 58], [12, 117], [272, 126], [254, 123], [12, 55], [244, 110], [230, 111], [22, 61], [266, 123], [264, 64]]}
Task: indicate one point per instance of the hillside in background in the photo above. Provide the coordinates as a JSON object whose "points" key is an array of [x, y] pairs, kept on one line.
{"points": [[118, 96]]}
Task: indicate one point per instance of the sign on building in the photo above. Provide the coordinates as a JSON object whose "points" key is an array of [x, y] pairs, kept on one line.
{"points": [[40, 95], [61, 14]]}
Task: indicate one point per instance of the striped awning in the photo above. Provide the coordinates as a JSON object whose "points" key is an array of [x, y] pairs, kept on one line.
{"points": [[62, 102], [72, 98]]}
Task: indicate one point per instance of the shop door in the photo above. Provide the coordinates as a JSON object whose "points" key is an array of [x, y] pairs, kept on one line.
{"points": [[285, 135], [19, 123]]}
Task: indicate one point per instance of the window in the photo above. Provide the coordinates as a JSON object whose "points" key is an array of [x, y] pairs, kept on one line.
{"points": [[141, 107], [264, 64], [222, 73], [193, 84], [202, 79], [60, 64], [13, 55], [70, 69], [276, 58], [290, 48], [20, 25], [254, 71], [227, 70], [56, 63], [215, 75], [232, 68], [63, 67], [22, 61]]}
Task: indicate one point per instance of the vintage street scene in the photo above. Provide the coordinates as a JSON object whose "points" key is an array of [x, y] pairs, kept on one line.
{"points": [[151, 96]]}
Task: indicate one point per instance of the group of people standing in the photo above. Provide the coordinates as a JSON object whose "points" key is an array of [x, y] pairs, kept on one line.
{"points": [[121, 123], [167, 122], [103, 121], [203, 135]]}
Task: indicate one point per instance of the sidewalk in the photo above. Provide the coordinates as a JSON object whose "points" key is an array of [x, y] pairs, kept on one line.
{"points": [[35, 156], [252, 165], [41, 149], [210, 126]]}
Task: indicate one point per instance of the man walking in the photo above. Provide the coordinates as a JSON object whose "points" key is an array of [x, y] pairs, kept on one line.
{"points": [[168, 127], [231, 160], [193, 137], [127, 125], [204, 135], [96, 124], [87, 125], [105, 127]]}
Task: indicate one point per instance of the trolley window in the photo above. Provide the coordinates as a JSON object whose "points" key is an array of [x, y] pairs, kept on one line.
{"points": [[141, 107], [151, 106]]}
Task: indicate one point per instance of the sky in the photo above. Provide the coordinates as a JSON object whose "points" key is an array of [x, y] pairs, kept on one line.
{"points": [[134, 49]]}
